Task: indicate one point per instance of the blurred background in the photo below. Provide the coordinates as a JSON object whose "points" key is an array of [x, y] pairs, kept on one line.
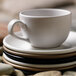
{"points": [[9, 9]]}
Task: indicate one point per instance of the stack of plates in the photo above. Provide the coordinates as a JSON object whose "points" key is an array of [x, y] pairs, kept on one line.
{"points": [[23, 56]]}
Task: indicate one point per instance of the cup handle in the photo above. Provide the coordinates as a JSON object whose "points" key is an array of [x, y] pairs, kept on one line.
{"points": [[11, 26]]}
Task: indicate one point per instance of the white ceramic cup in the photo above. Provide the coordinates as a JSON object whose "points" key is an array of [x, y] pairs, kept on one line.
{"points": [[46, 28]]}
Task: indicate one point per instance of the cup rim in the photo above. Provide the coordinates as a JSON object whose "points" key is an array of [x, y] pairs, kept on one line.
{"points": [[34, 16]]}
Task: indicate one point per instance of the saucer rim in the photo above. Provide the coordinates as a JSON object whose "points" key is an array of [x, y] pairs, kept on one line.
{"points": [[60, 51]]}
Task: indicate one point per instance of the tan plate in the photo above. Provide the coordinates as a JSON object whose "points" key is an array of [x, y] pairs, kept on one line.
{"points": [[36, 69], [40, 56]]}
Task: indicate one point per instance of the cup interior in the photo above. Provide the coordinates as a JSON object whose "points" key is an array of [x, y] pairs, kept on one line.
{"points": [[45, 13]]}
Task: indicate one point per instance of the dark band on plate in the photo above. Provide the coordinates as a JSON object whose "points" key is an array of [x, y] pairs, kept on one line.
{"points": [[40, 61], [37, 69]]}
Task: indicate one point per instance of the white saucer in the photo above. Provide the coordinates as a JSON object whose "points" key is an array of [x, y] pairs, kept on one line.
{"points": [[25, 47], [39, 65]]}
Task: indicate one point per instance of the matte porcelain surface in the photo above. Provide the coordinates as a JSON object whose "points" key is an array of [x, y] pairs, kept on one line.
{"points": [[39, 66], [46, 28], [25, 47]]}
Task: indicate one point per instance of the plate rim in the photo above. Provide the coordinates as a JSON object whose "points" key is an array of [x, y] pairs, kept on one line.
{"points": [[38, 55], [37, 65]]}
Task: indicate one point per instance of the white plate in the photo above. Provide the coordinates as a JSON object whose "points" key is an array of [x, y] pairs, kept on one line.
{"points": [[37, 65], [25, 47]]}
